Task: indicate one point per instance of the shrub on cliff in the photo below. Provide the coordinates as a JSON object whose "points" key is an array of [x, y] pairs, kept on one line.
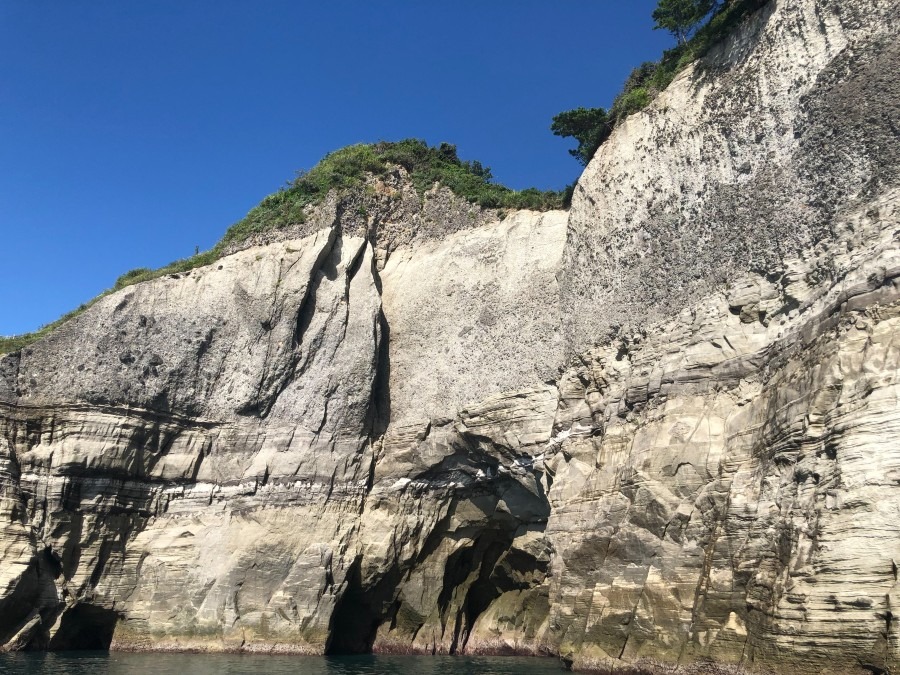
{"points": [[347, 168], [14, 343], [132, 277], [589, 126], [636, 93], [681, 17], [646, 82]]}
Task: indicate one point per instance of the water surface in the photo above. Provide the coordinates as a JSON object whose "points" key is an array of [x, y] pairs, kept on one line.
{"points": [[117, 663]]}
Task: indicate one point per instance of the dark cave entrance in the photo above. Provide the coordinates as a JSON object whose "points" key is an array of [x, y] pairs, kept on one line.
{"points": [[481, 556], [84, 627], [359, 611]]}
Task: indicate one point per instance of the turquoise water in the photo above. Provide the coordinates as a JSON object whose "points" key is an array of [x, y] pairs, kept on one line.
{"points": [[103, 663]]}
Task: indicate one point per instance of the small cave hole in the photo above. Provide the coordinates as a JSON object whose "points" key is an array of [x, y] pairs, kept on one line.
{"points": [[359, 611], [84, 627]]}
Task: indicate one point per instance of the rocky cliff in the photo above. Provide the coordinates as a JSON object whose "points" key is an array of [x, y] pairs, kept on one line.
{"points": [[663, 426]]}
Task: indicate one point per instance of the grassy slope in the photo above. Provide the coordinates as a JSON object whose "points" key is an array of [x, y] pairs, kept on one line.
{"points": [[343, 169]]}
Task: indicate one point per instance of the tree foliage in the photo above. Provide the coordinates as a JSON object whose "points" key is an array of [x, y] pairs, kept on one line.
{"points": [[592, 126], [589, 126], [681, 17]]}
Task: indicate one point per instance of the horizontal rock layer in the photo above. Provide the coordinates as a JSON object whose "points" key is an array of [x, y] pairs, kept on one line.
{"points": [[659, 428]]}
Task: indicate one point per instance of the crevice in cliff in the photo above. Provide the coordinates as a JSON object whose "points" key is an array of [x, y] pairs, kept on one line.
{"points": [[477, 575], [271, 385], [380, 403], [32, 605], [491, 559], [305, 348], [484, 590], [324, 268]]}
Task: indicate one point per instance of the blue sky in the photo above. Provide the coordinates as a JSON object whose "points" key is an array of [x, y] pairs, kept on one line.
{"points": [[133, 131]]}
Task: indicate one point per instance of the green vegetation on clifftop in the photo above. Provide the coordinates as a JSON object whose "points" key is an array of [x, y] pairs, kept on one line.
{"points": [[590, 127], [343, 169], [347, 168], [17, 342]]}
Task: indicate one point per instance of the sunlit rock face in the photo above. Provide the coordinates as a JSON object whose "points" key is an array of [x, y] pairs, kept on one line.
{"points": [[270, 452], [662, 427]]}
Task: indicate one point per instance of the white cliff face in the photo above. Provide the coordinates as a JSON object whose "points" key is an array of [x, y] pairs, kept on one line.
{"points": [[750, 157], [661, 428], [724, 488], [721, 489], [142, 460], [480, 307]]}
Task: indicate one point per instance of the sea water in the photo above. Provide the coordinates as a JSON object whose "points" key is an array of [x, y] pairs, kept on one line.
{"points": [[116, 663]]}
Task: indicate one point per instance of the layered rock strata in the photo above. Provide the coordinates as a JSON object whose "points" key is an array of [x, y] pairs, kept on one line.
{"points": [[661, 427]]}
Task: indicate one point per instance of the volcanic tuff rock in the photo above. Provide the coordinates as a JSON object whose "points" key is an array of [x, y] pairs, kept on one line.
{"points": [[660, 428]]}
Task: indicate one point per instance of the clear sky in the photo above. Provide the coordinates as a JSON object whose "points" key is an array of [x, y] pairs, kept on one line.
{"points": [[133, 131]]}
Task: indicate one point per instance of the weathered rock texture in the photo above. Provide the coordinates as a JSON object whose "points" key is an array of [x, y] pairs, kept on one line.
{"points": [[662, 427]]}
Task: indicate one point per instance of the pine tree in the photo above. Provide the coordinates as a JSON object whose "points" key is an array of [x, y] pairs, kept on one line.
{"points": [[589, 126], [681, 17]]}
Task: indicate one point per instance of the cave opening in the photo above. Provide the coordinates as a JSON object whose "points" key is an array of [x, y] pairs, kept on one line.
{"points": [[85, 627], [482, 592], [359, 611]]}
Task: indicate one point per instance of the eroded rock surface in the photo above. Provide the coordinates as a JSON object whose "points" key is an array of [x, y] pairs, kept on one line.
{"points": [[660, 428]]}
